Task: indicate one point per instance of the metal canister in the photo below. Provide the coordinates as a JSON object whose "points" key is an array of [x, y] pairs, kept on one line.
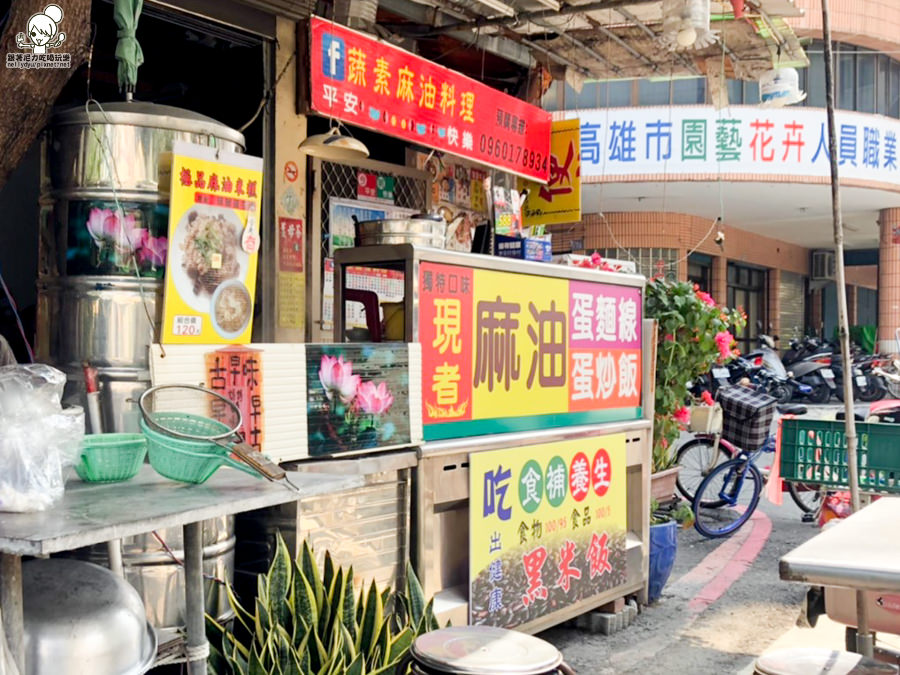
{"points": [[103, 242], [158, 576], [484, 650]]}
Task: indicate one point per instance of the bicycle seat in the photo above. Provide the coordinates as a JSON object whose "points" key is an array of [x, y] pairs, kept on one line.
{"points": [[792, 409]]}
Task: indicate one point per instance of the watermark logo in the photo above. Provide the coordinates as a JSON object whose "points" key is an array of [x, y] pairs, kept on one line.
{"points": [[42, 34]]}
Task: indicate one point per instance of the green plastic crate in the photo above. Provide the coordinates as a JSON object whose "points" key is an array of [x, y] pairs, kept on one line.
{"points": [[815, 451]]}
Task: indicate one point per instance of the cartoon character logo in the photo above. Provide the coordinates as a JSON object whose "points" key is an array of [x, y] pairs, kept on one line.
{"points": [[43, 30]]}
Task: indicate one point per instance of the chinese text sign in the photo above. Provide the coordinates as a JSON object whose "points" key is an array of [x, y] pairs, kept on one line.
{"points": [[237, 374], [559, 201], [214, 212], [359, 79], [508, 352], [739, 140], [546, 527]]}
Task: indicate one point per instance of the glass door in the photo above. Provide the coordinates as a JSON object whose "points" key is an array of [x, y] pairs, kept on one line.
{"points": [[747, 291]]}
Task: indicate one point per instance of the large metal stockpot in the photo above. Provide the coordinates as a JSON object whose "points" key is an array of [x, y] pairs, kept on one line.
{"points": [[98, 294], [118, 147]]}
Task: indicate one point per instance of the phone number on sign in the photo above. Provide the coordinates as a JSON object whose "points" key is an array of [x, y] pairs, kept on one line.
{"points": [[513, 153]]}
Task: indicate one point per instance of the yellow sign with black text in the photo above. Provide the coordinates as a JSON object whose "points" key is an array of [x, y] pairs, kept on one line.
{"points": [[559, 201], [214, 216], [547, 526]]}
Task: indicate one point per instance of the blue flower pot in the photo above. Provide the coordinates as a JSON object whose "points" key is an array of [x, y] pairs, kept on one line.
{"points": [[663, 547]]}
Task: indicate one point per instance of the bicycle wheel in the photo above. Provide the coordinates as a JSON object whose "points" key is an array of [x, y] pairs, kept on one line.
{"points": [[696, 461], [727, 498], [808, 496]]}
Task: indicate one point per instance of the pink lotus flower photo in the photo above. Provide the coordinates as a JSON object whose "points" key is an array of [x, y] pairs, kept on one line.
{"points": [[336, 376], [374, 400], [117, 231]]}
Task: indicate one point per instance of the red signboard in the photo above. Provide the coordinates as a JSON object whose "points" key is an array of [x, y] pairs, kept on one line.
{"points": [[361, 80]]}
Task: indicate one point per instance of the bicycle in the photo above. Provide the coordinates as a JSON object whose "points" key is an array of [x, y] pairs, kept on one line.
{"points": [[704, 452]]}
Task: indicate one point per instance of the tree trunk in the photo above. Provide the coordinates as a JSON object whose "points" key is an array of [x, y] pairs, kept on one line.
{"points": [[28, 94]]}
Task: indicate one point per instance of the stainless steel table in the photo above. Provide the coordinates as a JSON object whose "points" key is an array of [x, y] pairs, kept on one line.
{"points": [[93, 513], [862, 552]]}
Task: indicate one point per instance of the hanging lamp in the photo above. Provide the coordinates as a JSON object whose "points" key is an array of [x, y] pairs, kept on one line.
{"points": [[334, 145]]}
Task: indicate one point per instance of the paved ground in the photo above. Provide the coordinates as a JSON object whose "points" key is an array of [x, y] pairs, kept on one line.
{"points": [[724, 605]]}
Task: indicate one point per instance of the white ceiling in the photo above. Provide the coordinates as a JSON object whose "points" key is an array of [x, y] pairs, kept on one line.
{"points": [[795, 213]]}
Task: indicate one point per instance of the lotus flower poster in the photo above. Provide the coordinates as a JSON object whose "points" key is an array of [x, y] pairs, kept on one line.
{"points": [[358, 398]]}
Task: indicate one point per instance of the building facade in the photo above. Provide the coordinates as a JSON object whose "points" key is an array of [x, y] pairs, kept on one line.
{"points": [[736, 197]]}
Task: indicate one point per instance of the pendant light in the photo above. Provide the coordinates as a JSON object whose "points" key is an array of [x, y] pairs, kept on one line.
{"points": [[334, 145]]}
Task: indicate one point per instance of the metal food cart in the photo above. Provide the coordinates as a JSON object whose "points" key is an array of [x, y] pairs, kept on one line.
{"points": [[537, 431]]}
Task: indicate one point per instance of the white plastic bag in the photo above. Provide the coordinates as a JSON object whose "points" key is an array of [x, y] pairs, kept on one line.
{"points": [[39, 439]]}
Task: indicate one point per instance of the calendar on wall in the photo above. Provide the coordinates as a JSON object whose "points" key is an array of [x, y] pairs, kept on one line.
{"points": [[388, 284]]}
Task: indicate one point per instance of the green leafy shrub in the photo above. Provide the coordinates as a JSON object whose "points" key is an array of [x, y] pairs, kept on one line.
{"points": [[694, 334], [307, 623]]}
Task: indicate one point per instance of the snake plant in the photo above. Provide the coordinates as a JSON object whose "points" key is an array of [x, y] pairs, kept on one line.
{"points": [[307, 623]]}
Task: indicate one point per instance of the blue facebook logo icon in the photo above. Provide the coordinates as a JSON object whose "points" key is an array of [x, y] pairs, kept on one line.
{"points": [[333, 56]]}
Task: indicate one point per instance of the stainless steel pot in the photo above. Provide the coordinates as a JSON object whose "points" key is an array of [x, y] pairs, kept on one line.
{"points": [[82, 618], [483, 650], [160, 581], [102, 320], [135, 134], [422, 229]]}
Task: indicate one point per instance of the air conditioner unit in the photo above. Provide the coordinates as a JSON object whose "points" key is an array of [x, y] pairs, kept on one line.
{"points": [[822, 265]]}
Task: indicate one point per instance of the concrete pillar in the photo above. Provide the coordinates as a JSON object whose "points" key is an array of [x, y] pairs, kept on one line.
{"points": [[888, 279], [720, 279], [773, 302]]}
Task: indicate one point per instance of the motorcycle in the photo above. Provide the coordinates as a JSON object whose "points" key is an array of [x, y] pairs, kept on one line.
{"points": [[867, 385], [809, 362], [777, 381]]}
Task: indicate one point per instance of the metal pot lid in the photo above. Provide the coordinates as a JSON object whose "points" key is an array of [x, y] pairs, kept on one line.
{"points": [[147, 115], [80, 617], [484, 650], [431, 218], [799, 661]]}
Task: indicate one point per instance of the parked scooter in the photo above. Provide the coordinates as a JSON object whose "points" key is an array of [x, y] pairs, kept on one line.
{"points": [[778, 382], [809, 362], [867, 385]]}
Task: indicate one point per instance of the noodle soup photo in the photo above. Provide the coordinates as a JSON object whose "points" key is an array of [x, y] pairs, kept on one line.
{"points": [[231, 308]]}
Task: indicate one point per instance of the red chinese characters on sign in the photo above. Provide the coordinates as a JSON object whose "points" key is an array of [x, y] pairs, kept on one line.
{"points": [[579, 477], [290, 245], [361, 80], [445, 327], [216, 190], [566, 571], [561, 175], [533, 563], [601, 472], [236, 373], [598, 555]]}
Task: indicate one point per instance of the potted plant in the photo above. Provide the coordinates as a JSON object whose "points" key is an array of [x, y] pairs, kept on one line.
{"points": [[694, 334], [664, 543], [306, 622]]}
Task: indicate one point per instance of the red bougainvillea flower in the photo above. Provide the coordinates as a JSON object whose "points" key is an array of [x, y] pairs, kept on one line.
{"points": [[724, 340], [707, 298], [682, 415], [707, 398]]}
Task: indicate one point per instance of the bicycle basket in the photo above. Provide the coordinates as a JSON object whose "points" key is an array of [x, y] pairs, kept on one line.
{"points": [[747, 416], [705, 419]]}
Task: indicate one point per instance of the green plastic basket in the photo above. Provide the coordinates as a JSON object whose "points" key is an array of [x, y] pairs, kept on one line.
{"points": [[110, 458], [184, 460], [815, 451]]}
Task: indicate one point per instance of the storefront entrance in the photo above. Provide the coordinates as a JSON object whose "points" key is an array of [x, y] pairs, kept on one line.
{"points": [[747, 291]]}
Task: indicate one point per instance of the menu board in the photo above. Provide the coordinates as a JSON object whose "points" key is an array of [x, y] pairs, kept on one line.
{"points": [[509, 352], [214, 215], [547, 527]]}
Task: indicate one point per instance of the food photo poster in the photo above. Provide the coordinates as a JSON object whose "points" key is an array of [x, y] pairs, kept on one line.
{"points": [[214, 220]]}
